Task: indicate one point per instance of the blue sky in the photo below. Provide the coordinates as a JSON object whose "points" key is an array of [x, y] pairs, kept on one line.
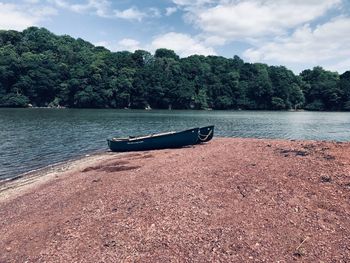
{"points": [[298, 34]]}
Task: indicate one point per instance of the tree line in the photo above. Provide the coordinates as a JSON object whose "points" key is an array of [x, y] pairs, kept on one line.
{"points": [[42, 69]]}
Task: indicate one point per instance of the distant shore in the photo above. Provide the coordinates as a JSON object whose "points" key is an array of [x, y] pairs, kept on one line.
{"points": [[231, 199], [151, 109]]}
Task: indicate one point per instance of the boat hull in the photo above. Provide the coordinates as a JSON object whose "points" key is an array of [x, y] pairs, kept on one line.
{"points": [[170, 140], [205, 134]]}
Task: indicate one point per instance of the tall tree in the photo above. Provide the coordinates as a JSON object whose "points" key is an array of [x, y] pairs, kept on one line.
{"points": [[323, 92], [344, 87]]}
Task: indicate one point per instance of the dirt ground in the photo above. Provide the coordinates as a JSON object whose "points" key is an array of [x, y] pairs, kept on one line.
{"points": [[230, 200]]}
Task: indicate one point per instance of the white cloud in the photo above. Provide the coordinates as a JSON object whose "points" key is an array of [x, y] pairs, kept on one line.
{"points": [[267, 25], [126, 44], [340, 66], [105, 44], [110, 45], [154, 12], [103, 8], [214, 40], [43, 11], [328, 45], [99, 7], [129, 44], [184, 45], [133, 13], [170, 10], [130, 14], [19, 17], [257, 18]]}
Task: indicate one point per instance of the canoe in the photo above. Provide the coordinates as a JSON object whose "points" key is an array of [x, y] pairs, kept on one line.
{"points": [[205, 134], [155, 141]]}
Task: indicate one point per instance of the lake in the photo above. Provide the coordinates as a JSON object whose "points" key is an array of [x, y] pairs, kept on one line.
{"points": [[34, 138]]}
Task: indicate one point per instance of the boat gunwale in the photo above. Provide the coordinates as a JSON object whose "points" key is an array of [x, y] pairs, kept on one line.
{"points": [[151, 136]]}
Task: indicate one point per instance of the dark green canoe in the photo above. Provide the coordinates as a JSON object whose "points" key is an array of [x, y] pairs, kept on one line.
{"points": [[155, 141], [205, 134]]}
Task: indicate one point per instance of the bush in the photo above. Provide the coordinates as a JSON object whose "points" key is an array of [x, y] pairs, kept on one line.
{"points": [[14, 100], [347, 105], [316, 105], [278, 103]]}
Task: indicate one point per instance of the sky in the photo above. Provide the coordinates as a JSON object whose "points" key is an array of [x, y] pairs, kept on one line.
{"points": [[298, 34]]}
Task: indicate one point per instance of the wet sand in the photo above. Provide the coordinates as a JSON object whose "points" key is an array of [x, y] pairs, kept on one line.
{"points": [[230, 200]]}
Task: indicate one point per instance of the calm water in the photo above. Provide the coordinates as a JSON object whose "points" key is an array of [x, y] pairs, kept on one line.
{"points": [[34, 138]]}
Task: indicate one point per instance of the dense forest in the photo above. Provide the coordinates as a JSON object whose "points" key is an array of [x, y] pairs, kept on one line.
{"points": [[42, 69]]}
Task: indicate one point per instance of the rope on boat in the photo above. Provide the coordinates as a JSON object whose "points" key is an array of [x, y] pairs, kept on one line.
{"points": [[200, 136]]}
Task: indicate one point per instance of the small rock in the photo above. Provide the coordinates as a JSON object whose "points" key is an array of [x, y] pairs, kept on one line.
{"points": [[96, 180], [326, 179]]}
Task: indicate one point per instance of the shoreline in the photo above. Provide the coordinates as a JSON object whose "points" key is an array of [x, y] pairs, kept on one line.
{"points": [[15, 186], [66, 164], [50, 166], [231, 199], [102, 152]]}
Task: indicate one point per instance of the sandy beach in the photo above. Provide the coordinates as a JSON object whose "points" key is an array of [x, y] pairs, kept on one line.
{"points": [[230, 200]]}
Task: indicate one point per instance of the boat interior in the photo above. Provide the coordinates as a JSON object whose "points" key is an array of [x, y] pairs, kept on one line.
{"points": [[135, 138]]}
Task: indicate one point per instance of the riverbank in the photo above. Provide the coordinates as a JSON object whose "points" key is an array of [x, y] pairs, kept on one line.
{"points": [[18, 185], [240, 200]]}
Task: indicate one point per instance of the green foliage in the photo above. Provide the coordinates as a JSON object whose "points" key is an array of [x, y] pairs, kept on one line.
{"points": [[278, 103], [201, 100], [316, 105], [344, 88], [296, 96], [165, 53], [323, 91], [347, 106], [13, 100], [42, 69]]}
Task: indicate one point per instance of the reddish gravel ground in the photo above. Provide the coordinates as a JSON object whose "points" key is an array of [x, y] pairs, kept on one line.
{"points": [[230, 200]]}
